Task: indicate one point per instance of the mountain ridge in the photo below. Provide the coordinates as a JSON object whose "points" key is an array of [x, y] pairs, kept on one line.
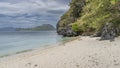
{"points": [[43, 27]]}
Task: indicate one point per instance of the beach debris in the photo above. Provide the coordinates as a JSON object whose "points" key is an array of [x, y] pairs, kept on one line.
{"points": [[35, 65], [28, 64]]}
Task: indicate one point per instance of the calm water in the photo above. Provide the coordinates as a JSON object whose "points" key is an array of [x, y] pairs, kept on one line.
{"points": [[12, 42]]}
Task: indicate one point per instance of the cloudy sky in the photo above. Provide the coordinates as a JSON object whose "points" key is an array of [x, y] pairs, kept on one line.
{"points": [[29, 13]]}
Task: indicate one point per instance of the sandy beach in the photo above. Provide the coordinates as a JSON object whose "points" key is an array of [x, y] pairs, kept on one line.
{"points": [[84, 52]]}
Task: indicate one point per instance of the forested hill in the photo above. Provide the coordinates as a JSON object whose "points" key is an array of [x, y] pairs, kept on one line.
{"points": [[91, 17], [43, 27]]}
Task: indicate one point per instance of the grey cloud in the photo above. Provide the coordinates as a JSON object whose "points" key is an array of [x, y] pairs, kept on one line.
{"points": [[28, 13]]}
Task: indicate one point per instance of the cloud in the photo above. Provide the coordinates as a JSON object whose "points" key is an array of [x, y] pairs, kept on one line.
{"points": [[35, 12], [33, 6]]}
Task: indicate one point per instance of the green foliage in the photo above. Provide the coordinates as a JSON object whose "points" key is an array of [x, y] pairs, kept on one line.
{"points": [[75, 27], [96, 14], [91, 15], [72, 14], [76, 8]]}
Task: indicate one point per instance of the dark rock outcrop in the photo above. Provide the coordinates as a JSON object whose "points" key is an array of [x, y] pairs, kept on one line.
{"points": [[109, 32], [67, 31]]}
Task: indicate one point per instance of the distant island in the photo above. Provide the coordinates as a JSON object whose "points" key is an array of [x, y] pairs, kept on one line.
{"points": [[43, 27]]}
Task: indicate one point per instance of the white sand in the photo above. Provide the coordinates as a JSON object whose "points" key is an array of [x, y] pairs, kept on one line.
{"points": [[85, 53]]}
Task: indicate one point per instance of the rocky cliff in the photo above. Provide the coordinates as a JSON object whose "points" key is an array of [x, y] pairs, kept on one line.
{"points": [[91, 17]]}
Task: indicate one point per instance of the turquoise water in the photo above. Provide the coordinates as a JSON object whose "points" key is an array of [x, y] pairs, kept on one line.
{"points": [[12, 42]]}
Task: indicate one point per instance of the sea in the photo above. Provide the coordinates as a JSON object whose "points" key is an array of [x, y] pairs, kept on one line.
{"points": [[12, 42]]}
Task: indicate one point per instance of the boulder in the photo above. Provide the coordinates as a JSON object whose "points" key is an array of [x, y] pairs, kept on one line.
{"points": [[67, 31], [109, 32]]}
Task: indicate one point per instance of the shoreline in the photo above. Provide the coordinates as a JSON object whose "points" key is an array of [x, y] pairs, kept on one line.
{"points": [[40, 48], [82, 52], [29, 51]]}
